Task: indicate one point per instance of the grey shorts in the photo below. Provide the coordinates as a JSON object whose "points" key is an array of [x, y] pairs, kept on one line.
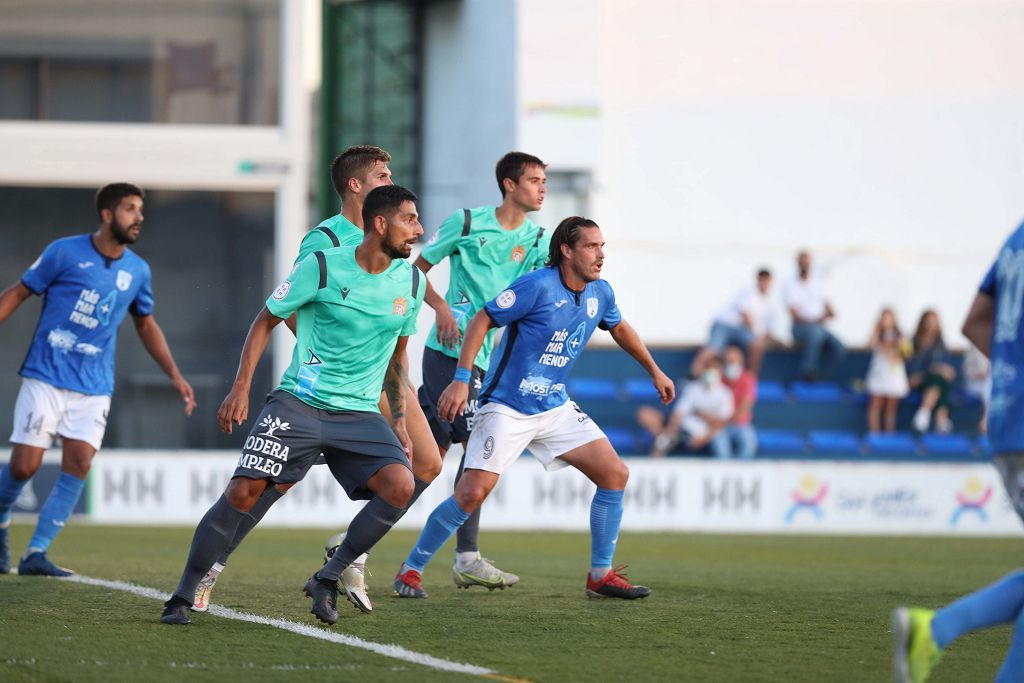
{"points": [[1011, 469], [289, 435], [438, 370]]}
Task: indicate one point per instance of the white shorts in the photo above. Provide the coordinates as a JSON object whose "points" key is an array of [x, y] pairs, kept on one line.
{"points": [[43, 411], [501, 434]]}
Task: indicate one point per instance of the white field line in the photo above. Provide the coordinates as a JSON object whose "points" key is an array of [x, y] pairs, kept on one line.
{"points": [[393, 651]]}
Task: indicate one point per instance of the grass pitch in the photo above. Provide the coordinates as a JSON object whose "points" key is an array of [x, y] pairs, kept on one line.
{"points": [[724, 608]]}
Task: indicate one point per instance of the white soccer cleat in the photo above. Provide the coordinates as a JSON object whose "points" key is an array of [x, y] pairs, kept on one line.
{"points": [[480, 572], [352, 579], [204, 590]]}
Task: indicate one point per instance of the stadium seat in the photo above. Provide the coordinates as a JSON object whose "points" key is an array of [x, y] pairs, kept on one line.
{"points": [[770, 391], [834, 442], [641, 390], [623, 440], [948, 444], [817, 392], [897, 443], [780, 442], [589, 388]]}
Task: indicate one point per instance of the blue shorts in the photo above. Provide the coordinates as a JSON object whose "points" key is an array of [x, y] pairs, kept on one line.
{"points": [[723, 335]]}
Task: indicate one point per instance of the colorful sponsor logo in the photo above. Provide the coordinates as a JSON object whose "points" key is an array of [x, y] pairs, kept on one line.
{"points": [[972, 499], [518, 254], [808, 495], [401, 306]]}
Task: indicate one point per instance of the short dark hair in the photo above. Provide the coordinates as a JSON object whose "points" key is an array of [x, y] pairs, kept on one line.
{"points": [[385, 201], [109, 196], [568, 233], [513, 166], [763, 272], [355, 161]]}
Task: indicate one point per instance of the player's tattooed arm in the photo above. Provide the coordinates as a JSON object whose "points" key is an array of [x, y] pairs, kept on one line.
{"points": [[629, 341], [395, 381]]}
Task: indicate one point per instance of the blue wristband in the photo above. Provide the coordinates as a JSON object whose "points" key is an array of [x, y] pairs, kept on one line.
{"points": [[462, 375]]}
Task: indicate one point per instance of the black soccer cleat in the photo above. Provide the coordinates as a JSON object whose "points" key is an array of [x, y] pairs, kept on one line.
{"points": [[176, 612], [325, 599], [615, 585]]}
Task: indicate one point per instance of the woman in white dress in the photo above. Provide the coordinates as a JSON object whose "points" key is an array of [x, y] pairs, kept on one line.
{"points": [[886, 382]]}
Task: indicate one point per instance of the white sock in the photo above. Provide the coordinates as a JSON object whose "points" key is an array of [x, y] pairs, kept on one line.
{"points": [[467, 558], [598, 573], [406, 568], [361, 560], [217, 568]]}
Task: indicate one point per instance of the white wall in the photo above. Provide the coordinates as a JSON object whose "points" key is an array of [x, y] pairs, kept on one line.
{"points": [[886, 136]]}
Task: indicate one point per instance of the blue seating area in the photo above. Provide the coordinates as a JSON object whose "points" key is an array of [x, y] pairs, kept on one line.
{"points": [[794, 419]]}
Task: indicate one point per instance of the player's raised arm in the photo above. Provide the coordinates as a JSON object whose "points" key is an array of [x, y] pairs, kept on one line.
{"points": [[453, 400], [155, 342], [396, 379], [11, 298], [629, 341], [235, 407]]}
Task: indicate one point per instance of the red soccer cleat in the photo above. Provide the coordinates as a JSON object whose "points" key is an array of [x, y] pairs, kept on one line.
{"points": [[615, 585]]}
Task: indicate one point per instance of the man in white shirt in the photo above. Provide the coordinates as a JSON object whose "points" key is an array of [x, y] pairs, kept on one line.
{"points": [[700, 415], [808, 304], [746, 321]]}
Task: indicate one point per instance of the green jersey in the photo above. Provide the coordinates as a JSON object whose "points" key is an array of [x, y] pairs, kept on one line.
{"points": [[336, 231], [347, 324], [485, 258]]}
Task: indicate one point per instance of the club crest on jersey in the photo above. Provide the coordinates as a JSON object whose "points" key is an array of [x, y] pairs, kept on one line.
{"points": [[518, 254], [124, 280], [591, 306], [506, 299], [401, 306], [282, 290]]}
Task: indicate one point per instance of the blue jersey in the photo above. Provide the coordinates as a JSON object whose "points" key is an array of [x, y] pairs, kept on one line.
{"points": [[548, 326], [86, 296], [1005, 284]]}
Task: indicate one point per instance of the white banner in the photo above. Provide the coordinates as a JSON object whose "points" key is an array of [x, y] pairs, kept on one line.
{"points": [[166, 487]]}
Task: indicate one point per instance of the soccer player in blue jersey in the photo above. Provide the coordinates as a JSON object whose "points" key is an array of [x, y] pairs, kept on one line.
{"points": [[88, 283], [549, 315], [994, 325]]}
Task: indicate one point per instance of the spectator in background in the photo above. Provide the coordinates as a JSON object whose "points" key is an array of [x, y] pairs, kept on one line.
{"points": [[740, 436], [809, 306], [930, 371], [886, 382], [746, 321], [978, 381], [698, 418]]}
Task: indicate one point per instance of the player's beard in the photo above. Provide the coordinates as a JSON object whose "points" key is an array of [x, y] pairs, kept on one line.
{"points": [[399, 251], [122, 233]]}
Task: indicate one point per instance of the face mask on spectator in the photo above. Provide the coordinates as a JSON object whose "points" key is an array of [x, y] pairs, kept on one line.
{"points": [[733, 371], [712, 377]]}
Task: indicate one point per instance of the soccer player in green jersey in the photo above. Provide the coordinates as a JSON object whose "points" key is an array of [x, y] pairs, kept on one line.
{"points": [[355, 308], [354, 173], [487, 249]]}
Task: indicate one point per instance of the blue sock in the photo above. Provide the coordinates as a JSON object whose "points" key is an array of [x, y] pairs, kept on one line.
{"points": [[442, 523], [56, 511], [10, 489], [999, 603], [1013, 665], [605, 517]]}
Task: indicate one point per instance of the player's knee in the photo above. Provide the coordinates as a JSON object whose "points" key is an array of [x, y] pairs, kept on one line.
{"points": [[427, 468], [77, 465], [242, 493], [396, 487], [22, 470], [617, 477], [470, 497]]}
